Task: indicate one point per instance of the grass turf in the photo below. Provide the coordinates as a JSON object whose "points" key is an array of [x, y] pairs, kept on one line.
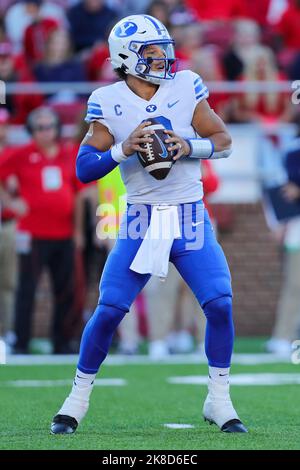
{"points": [[132, 417]]}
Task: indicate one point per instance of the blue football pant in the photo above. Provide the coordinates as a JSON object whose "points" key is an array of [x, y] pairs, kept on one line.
{"points": [[204, 269]]}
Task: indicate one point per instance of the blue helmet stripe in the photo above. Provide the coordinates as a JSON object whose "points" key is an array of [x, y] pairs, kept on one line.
{"points": [[157, 27]]}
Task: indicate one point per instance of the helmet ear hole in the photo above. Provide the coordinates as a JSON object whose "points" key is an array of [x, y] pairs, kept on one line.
{"points": [[123, 68], [123, 56]]}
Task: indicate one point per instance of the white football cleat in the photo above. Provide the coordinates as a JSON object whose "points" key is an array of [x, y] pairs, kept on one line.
{"points": [[218, 408], [72, 412]]}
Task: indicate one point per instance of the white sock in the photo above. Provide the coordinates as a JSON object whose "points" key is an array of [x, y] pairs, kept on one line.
{"points": [[82, 380], [219, 374], [77, 403]]}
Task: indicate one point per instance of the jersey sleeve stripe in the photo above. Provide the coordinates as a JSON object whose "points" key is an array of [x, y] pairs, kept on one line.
{"points": [[92, 106], [91, 117], [197, 81], [95, 105], [95, 112], [199, 87], [203, 93]]}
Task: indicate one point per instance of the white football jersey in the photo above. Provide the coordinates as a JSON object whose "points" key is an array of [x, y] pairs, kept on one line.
{"points": [[121, 111]]}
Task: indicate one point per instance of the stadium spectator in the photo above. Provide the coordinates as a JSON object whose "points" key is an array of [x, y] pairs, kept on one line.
{"points": [[286, 327], [172, 12], [188, 42], [90, 21], [48, 188], [206, 63], [270, 106], [12, 70], [98, 66], [8, 259], [35, 38], [59, 65], [20, 15], [246, 38]]}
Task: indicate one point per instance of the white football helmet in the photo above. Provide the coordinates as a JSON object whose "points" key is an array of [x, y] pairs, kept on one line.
{"points": [[128, 40]]}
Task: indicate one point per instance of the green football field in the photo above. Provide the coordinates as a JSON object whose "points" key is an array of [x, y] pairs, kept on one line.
{"points": [[131, 411]]}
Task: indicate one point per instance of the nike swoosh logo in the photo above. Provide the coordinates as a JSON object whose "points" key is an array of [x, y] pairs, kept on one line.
{"points": [[194, 224], [99, 156], [170, 105], [162, 209], [222, 375], [164, 152]]}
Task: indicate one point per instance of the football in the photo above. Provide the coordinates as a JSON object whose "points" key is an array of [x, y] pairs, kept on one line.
{"points": [[157, 161]]}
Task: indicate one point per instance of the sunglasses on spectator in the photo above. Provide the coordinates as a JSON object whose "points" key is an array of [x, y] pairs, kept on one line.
{"points": [[44, 127]]}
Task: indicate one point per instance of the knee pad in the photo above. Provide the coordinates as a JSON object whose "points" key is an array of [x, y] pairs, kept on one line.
{"points": [[108, 316], [116, 296], [219, 311]]}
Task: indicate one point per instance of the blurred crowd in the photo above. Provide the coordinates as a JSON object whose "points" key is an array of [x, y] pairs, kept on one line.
{"points": [[64, 41], [234, 40]]}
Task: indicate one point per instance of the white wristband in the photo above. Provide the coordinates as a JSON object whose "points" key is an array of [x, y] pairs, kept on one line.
{"points": [[117, 153], [201, 148]]}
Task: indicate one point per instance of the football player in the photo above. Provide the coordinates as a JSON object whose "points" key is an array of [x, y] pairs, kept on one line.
{"points": [[142, 54]]}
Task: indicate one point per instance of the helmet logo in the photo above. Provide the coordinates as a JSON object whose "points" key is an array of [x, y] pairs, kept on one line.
{"points": [[151, 108], [126, 29]]}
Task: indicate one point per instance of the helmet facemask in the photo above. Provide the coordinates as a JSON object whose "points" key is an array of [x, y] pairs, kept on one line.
{"points": [[156, 60]]}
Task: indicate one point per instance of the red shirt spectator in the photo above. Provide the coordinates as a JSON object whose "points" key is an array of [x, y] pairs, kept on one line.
{"points": [[35, 38], [96, 61], [5, 150], [288, 26], [48, 186]]}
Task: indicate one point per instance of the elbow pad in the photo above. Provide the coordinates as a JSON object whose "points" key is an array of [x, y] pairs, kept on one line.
{"points": [[92, 164]]}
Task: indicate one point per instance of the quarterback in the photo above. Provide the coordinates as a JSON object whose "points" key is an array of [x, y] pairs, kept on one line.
{"points": [[120, 117]]}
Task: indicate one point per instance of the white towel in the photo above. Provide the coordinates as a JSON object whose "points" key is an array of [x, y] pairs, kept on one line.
{"points": [[154, 252]]}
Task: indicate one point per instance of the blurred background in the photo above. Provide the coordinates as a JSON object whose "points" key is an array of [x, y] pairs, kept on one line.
{"points": [[52, 55]]}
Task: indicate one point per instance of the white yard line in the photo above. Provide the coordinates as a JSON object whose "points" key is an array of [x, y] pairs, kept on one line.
{"points": [[178, 426], [60, 383], [119, 359], [241, 379]]}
